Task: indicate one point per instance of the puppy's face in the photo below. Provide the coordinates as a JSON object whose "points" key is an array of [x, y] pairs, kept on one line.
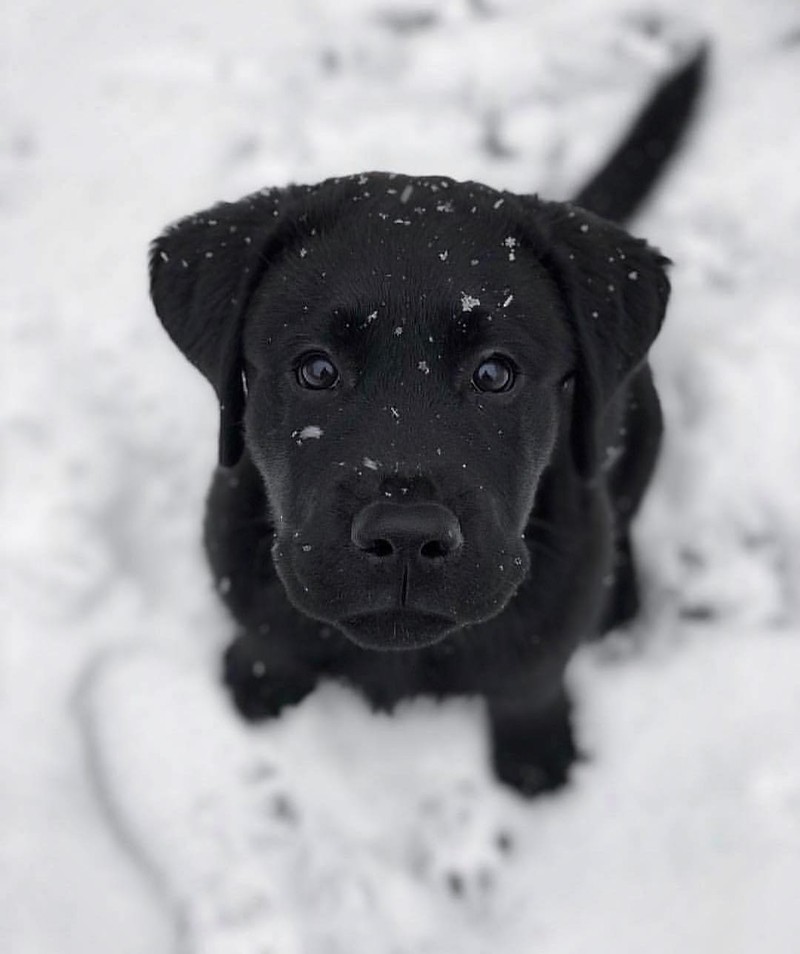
{"points": [[408, 351], [406, 377]]}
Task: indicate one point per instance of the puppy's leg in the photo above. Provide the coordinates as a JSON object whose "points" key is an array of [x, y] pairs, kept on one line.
{"points": [[623, 601], [260, 669], [640, 427], [259, 685], [532, 745]]}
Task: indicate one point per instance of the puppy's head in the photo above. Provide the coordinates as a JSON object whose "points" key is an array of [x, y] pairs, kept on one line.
{"points": [[400, 357]]}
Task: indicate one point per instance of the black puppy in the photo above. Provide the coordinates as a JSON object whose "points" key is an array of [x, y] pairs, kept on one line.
{"points": [[437, 422]]}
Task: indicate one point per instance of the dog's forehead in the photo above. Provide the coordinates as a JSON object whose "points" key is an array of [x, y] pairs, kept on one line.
{"points": [[431, 231], [402, 211], [439, 193], [395, 255]]}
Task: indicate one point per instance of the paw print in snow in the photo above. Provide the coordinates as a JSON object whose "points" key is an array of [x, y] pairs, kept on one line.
{"points": [[459, 845], [249, 840]]}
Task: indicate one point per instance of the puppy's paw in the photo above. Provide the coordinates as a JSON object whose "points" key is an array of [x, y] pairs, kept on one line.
{"points": [[534, 755], [258, 690], [545, 769]]}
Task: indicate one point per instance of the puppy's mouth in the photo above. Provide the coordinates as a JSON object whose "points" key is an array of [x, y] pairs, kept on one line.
{"points": [[398, 601], [396, 629]]}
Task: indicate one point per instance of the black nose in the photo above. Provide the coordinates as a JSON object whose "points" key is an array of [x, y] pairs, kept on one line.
{"points": [[425, 530]]}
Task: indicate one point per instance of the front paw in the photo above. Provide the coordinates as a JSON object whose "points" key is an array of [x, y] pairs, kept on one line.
{"points": [[260, 690], [534, 754]]}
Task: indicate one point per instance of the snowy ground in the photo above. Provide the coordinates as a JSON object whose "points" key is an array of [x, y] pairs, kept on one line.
{"points": [[137, 814]]}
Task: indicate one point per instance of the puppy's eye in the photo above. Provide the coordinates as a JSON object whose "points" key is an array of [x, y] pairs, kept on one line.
{"points": [[317, 371], [495, 374]]}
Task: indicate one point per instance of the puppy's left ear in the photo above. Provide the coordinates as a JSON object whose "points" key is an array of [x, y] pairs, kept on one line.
{"points": [[203, 272], [615, 290]]}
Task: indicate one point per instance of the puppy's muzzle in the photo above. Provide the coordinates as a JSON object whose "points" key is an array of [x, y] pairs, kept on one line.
{"points": [[425, 534]]}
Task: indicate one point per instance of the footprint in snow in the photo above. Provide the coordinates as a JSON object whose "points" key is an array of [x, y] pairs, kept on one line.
{"points": [[459, 846]]}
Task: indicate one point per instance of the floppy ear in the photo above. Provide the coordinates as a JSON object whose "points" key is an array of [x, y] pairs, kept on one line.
{"points": [[203, 272], [615, 289]]}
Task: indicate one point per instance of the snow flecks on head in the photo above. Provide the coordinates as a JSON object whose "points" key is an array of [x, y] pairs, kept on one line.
{"points": [[508, 301], [633, 276], [468, 302], [444, 255], [371, 464], [398, 331], [406, 194], [584, 227], [395, 413], [511, 244], [309, 432], [303, 252], [498, 203], [612, 455], [424, 367], [163, 256], [445, 206]]}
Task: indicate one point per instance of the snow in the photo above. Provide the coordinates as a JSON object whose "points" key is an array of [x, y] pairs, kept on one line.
{"points": [[309, 432], [138, 814]]}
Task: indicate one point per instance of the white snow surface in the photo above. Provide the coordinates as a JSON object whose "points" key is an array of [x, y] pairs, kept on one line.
{"points": [[138, 814]]}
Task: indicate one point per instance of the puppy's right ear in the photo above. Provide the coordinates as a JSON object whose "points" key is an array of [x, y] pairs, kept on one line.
{"points": [[203, 272]]}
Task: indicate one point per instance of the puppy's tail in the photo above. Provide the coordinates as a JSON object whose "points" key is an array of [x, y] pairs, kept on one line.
{"points": [[619, 188]]}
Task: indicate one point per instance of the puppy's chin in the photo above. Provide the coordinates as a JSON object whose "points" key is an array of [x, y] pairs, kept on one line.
{"points": [[396, 630]]}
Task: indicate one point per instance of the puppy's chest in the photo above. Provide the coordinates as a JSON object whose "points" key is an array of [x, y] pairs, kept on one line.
{"points": [[452, 668]]}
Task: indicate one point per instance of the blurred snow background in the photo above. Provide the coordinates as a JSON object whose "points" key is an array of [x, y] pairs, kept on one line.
{"points": [[137, 815]]}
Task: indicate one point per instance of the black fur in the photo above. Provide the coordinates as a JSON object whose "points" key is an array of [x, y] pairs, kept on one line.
{"points": [[627, 177], [404, 531]]}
